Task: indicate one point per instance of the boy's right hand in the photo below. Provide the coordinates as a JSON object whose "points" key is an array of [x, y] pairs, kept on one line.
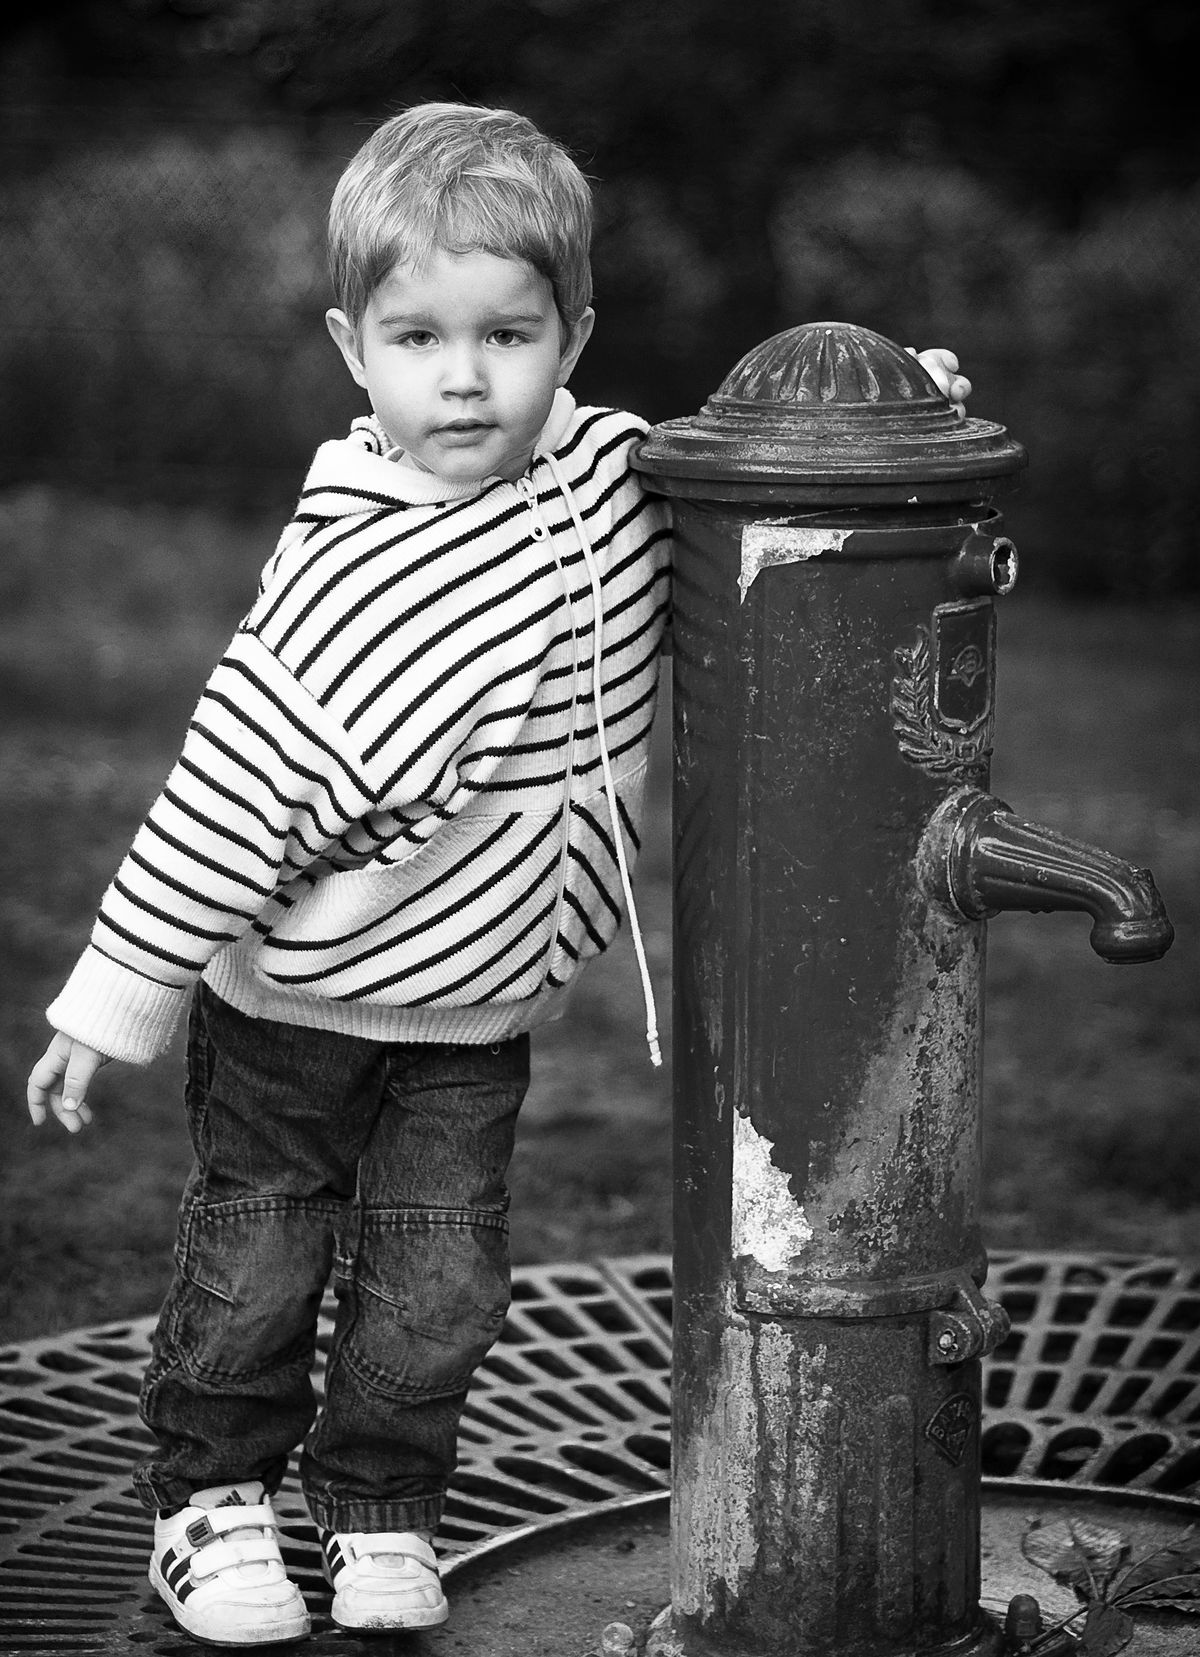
{"points": [[942, 367], [59, 1082]]}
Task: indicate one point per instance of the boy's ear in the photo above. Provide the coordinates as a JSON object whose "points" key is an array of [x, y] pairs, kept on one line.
{"points": [[573, 349], [345, 337]]}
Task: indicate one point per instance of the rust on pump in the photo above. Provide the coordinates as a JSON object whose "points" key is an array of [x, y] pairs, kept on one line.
{"points": [[838, 557]]}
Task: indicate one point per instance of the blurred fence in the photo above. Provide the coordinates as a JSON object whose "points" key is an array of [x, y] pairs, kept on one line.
{"points": [[164, 284]]}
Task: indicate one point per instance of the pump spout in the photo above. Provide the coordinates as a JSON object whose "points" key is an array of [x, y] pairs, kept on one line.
{"points": [[978, 858]]}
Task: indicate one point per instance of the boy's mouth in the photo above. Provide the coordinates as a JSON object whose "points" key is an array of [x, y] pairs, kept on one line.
{"points": [[465, 426]]}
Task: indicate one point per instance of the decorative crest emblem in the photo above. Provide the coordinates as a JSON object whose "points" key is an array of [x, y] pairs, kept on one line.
{"points": [[943, 691], [950, 1427]]}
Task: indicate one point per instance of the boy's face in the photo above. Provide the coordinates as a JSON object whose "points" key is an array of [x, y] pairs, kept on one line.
{"points": [[461, 361]]}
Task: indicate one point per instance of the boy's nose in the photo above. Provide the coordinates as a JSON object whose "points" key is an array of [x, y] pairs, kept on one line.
{"points": [[463, 374]]}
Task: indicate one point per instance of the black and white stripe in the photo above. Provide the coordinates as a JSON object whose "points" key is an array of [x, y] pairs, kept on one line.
{"points": [[335, 1559], [369, 812]]}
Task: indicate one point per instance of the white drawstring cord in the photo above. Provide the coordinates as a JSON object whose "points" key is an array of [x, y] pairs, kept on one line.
{"points": [[541, 532], [589, 558]]}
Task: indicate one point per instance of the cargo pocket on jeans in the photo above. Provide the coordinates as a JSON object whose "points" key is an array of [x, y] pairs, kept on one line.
{"points": [[432, 1292], [248, 1288]]}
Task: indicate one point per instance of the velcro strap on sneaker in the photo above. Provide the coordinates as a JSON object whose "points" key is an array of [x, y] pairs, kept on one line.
{"points": [[372, 1544], [219, 1556], [218, 1520]]}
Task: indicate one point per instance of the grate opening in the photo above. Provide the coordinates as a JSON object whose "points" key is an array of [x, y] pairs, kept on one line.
{"points": [[1134, 1458], [1067, 1453], [546, 1476], [1184, 1315], [997, 1385], [1131, 1311], [1174, 1395], [1074, 1308]]}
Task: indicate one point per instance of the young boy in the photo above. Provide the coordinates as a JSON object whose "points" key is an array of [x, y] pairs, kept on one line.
{"points": [[403, 818]]}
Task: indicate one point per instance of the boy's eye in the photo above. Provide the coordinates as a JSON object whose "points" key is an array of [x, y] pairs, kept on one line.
{"points": [[508, 336], [417, 337]]}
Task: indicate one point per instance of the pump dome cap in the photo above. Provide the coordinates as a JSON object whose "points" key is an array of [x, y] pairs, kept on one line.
{"points": [[829, 402]]}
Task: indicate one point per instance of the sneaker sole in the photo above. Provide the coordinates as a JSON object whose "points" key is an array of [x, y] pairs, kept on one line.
{"points": [[299, 1627], [432, 1617]]}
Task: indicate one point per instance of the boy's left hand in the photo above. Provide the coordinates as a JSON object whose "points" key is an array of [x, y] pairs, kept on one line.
{"points": [[942, 365], [59, 1081]]}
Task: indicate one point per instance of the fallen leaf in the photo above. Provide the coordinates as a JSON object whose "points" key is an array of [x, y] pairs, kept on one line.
{"points": [[1177, 1562], [1182, 1591], [1105, 1632], [1083, 1555]]}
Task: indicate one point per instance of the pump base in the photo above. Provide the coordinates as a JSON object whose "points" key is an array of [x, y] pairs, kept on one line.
{"points": [[665, 1640]]}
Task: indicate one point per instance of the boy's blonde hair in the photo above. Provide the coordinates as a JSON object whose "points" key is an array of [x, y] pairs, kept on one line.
{"points": [[464, 180]]}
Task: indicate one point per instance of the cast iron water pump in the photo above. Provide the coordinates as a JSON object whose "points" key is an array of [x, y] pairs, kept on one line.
{"points": [[838, 853]]}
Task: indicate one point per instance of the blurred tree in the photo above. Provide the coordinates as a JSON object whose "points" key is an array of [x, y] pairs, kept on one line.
{"points": [[697, 114], [1079, 96]]}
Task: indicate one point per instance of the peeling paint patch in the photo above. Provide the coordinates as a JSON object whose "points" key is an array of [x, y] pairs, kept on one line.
{"points": [[769, 1224], [775, 543], [757, 1483], [714, 1537]]}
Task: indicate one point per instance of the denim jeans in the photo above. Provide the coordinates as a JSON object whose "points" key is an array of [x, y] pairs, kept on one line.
{"points": [[381, 1165]]}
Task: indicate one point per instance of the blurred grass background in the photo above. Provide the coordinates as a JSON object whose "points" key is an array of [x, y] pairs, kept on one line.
{"points": [[1092, 1127], [1017, 181]]}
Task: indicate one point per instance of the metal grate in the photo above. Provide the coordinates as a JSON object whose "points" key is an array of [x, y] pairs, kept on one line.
{"points": [[1098, 1386], [1099, 1381]]}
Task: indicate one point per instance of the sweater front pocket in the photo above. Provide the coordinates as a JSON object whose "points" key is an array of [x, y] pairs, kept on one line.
{"points": [[463, 921]]}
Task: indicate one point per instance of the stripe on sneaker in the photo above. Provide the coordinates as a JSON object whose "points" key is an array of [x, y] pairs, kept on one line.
{"points": [[177, 1573]]}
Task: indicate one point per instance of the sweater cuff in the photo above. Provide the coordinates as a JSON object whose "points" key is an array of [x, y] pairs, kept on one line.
{"points": [[115, 1010]]}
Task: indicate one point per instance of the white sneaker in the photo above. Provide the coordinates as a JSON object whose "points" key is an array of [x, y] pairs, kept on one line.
{"points": [[383, 1579], [218, 1567]]}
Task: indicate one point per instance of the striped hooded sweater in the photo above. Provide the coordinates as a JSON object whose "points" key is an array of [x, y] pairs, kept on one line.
{"points": [[400, 811]]}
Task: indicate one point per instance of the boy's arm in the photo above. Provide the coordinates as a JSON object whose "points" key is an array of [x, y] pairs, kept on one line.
{"points": [[265, 784]]}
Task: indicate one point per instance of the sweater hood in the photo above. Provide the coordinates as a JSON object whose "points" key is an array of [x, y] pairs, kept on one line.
{"points": [[366, 470]]}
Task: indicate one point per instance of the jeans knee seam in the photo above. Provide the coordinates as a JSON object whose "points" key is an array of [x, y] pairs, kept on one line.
{"points": [[232, 1208], [299, 1356], [414, 1219], [375, 1380]]}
